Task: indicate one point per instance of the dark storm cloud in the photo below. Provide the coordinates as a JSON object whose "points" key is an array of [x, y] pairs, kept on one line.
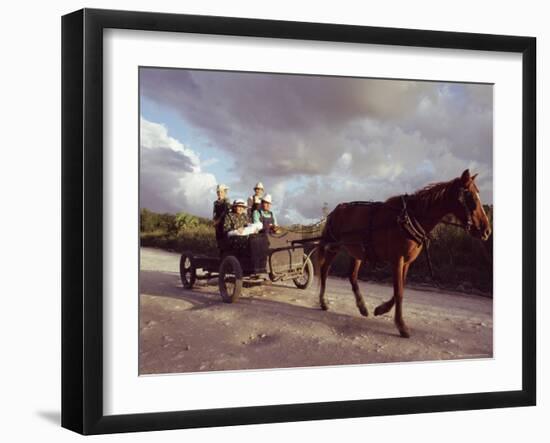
{"points": [[350, 137], [282, 124], [159, 179], [167, 83]]}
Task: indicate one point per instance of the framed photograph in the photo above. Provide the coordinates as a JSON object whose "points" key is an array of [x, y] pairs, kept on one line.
{"points": [[269, 221]]}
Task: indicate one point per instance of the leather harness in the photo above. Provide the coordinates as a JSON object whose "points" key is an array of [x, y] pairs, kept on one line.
{"points": [[414, 230], [409, 225]]}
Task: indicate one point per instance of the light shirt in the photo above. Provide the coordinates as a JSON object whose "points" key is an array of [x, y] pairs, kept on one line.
{"points": [[257, 215]]}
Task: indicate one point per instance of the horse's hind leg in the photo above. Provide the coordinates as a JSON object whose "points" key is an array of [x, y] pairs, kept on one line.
{"points": [[386, 306], [325, 259], [398, 287], [359, 301]]}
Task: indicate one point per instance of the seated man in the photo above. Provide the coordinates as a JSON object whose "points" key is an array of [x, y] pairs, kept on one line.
{"points": [[236, 223], [264, 216]]}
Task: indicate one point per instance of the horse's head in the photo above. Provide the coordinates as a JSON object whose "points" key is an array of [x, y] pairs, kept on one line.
{"points": [[467, 206]]}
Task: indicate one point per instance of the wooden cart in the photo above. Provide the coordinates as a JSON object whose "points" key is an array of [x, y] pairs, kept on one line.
{"points": [[252, 259]]}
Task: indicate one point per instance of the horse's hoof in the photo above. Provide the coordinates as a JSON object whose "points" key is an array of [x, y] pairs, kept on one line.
{"points": [[405, 333], [379, 311], [324, 307], [364, 312]]}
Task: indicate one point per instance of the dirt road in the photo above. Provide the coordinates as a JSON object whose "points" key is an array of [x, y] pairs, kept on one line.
{"points": [[276, 326]]}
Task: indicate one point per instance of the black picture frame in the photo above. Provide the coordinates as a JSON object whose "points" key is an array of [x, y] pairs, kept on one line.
{"points": [[82, 218]]}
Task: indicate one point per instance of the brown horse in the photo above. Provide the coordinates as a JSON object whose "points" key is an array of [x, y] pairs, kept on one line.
{"points": [[394, 232]]}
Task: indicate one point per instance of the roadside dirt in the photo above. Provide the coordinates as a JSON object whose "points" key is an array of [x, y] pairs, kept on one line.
{"points": [[279, 326]]}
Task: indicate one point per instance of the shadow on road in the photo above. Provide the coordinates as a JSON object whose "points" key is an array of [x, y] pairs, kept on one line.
{"points": [[166, 284]]}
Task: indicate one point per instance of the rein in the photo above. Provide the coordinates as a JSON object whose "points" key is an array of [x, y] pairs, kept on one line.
{"points": [[307, 229], [407, 221], [412, 227]]}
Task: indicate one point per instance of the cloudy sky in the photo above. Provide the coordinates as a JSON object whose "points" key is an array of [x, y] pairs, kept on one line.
{"points": [[309, 139]]}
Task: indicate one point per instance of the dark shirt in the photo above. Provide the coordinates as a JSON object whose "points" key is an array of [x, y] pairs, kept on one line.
{"points": [[234, 221], [221, 209]]}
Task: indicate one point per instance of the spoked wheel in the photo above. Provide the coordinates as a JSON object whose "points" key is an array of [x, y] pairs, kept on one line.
{"points": [[188, 272], [230, 279], [305, 280]]}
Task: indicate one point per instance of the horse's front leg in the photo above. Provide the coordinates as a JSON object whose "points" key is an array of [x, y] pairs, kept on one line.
{"points": [[359, 301], [398, 287], [386, 306]]}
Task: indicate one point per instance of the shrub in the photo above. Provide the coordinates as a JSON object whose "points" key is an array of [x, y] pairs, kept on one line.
{"points": [[459, 261]]}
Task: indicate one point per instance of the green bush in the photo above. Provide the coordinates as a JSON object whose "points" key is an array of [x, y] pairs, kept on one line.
{"points": [[459, 261]]}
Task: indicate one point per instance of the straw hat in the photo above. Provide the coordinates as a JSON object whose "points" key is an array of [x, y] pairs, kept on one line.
{"points": [[239, 202], [222, 187], [259, 185], [267, 198]]}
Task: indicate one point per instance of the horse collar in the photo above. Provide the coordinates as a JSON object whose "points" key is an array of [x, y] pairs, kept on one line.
{"points": [[410, 225]]}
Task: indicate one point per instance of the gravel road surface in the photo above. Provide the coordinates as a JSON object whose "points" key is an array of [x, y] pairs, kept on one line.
{"points": [[277, 325]]}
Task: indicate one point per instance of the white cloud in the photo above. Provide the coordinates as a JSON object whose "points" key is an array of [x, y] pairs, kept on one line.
{"points": [[155, 135], [198, 192], [171, 174]]}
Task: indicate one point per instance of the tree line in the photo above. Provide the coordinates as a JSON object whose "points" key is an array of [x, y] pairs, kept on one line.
{"points": [[460, 261]]}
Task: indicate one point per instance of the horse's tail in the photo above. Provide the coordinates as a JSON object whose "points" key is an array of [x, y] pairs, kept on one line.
{"points": [[317, 259], [327, 235]]}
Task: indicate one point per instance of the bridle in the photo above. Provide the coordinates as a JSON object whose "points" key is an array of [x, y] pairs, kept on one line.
{"points": [[465, 198], [416, 232], [468, 202]]}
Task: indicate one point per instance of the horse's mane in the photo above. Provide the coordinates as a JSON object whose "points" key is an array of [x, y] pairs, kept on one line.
{"points": [[433, 194]]}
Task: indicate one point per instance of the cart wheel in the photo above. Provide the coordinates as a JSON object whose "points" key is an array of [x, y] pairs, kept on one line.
{"points": [[188, 272], [230, 279], [306, 279]]}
